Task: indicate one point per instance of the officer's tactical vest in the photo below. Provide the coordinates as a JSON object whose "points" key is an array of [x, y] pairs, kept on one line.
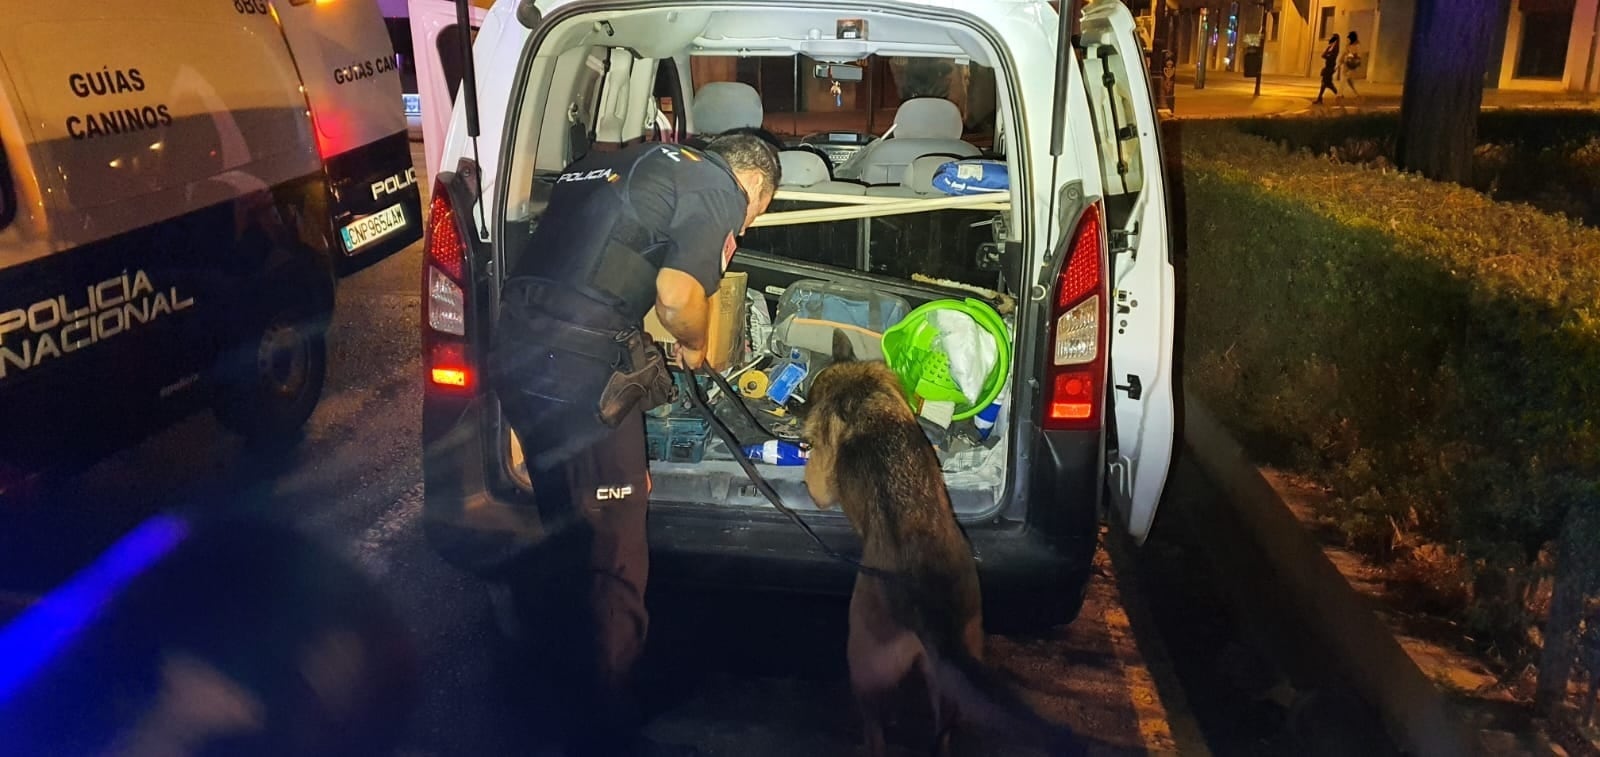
{"points": [[608, 255]]}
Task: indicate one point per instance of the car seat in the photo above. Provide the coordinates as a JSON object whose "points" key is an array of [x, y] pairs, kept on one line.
{"points": [[922, 126]]}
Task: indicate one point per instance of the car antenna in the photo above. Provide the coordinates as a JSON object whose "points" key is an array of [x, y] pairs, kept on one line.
{"points": [[469, 93]]}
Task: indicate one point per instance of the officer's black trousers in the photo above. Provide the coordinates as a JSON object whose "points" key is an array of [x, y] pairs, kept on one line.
{"points": [[579, 594], [575, 561]]}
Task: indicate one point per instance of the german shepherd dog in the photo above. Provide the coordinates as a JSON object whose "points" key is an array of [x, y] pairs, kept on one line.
{"points": [[870, 457]]}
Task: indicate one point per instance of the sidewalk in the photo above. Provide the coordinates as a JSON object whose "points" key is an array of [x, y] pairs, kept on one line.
{"points": [[1228, 94]]}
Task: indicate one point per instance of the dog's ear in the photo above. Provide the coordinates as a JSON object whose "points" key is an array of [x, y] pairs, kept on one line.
{"points": [[843, 350]]}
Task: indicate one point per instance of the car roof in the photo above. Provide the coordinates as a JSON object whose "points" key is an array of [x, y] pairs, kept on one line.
{"points": [[975, 7]]}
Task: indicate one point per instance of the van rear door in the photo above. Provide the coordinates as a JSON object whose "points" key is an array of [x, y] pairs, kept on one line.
{"points": [[437, 43], [1143, 283], [352, 82]]}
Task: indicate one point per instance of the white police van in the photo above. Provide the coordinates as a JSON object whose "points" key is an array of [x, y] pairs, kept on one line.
{"points": [[178, 183], [874, 99], [348, 67]]}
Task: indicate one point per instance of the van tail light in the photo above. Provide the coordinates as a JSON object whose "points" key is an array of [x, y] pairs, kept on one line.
{"points": [[1075, 389], [444, 298], [325, 130]]}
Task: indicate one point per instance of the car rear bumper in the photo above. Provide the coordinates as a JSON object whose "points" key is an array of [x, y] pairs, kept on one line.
{"points": [[701, 546], [1038, 565]]}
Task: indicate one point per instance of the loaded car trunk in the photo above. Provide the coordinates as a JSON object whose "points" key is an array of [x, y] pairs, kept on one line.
{"points": [[691, 465], [908, 259]]}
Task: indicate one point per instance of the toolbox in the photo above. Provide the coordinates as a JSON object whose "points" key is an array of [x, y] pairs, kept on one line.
{"points": [[683, 407], [676, 439], [676, 432]]}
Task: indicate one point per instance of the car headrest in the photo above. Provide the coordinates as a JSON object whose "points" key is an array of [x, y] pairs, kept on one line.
{"points": [[723, 105], [919, 177], [801, 168], [927, 118]]}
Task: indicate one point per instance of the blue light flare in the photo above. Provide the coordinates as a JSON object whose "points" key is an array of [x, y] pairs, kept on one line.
{"points": [[32, 640]]}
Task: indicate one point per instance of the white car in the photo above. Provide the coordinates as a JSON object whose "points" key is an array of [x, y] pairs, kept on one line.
{"points": [[1078, 239]]}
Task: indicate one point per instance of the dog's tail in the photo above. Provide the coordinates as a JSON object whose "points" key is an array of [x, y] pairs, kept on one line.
{"points": [[982, 697]]}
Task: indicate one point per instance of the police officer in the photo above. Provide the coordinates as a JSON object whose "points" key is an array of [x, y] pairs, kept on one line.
{"points": [[652, 225]]}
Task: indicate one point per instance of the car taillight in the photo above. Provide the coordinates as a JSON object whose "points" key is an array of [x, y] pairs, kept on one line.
{"points": [[447, 363], [444, 317], [446, 304], [1075, 386]]}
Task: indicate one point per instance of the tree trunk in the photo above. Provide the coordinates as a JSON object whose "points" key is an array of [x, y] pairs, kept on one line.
{"points": [[1574, 576], [1444, 86]]}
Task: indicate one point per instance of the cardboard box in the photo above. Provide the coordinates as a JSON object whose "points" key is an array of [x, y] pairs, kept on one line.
{"points": [[725, 334]]}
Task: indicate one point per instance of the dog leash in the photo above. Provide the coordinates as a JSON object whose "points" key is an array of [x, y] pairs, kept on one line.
{"points": [[702, 402], [697, 395]]}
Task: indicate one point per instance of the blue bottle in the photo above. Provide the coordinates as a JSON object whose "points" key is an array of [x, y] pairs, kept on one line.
{"points": [[777, 452], [985, 420]]}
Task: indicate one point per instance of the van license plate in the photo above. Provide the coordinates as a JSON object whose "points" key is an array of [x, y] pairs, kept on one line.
{"points": [[374, 227]]}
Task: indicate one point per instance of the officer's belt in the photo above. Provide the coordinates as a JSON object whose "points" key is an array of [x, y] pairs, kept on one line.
{"points": [[537, 313], [607, 347]]}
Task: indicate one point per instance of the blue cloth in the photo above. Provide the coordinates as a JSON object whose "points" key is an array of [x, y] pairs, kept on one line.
{"points": [[971, 177], [876, 314]]}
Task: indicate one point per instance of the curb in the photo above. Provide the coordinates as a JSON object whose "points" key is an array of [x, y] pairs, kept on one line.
{"points": [[1416, 713], [1186, 730]]}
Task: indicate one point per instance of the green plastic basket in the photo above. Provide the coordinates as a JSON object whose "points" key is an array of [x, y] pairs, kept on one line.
{"points": [[911, 349]]}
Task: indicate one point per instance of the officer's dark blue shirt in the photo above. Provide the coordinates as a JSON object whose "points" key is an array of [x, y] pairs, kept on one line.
{"points": [[615, 219]]}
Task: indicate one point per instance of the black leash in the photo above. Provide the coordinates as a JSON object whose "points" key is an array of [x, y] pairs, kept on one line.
{"points": [[750, 469], [727, 389], [697, 395]]}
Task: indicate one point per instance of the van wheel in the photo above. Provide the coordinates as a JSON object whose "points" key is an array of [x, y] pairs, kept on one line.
{"points": [[273, 383]]}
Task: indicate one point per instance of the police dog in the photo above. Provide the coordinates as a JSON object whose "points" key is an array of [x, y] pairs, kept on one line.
{"points": [[869, 456]]}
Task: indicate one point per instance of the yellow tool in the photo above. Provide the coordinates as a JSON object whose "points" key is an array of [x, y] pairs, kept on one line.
{"points": [[753, 384]]}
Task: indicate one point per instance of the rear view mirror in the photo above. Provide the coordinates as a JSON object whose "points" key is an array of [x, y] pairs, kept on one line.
{"points": [[839, 72]]}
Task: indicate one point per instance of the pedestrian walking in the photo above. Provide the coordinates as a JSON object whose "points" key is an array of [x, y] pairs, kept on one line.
{"points": [[1350, 63], [1330, 66]]}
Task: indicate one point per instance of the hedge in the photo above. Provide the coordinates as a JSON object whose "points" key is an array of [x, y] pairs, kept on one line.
{"points": [[1535, 129], [1431, 355], [1548, 158]]}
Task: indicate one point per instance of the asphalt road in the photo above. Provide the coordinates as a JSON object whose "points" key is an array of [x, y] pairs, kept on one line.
{"points": [[735, 675]]}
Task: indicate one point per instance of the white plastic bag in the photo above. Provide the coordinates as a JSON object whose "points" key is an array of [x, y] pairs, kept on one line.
{"points": [[758, 322], [972, 350]]}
